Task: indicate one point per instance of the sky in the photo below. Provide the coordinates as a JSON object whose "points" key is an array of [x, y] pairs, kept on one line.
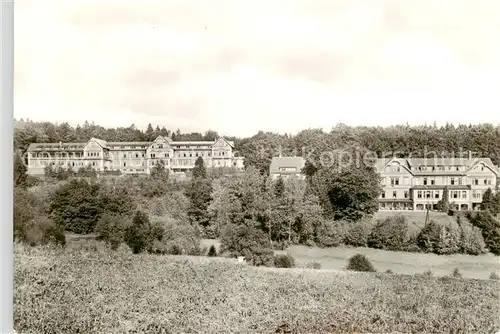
{"points": [[238, 67]]}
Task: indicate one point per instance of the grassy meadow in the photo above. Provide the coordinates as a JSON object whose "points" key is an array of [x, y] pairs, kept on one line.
{"points": [[80, 290]]}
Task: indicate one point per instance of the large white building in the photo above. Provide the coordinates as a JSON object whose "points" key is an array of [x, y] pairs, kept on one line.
{"points": [[418, 184], [133, 157], [286, 167]]}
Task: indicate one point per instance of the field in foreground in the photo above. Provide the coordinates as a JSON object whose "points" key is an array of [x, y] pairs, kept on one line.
{"points": [[81, 291]]}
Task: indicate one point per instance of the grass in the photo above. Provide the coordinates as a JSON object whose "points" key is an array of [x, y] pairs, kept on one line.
{"points": [[470, 266], [417, 217], [78, 290]]}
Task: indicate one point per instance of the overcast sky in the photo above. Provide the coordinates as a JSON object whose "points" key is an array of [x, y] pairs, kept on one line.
{"points": [[242, 66]]}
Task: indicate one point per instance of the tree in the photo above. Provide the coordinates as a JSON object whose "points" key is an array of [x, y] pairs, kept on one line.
{"points": [[490, 202], [150, 133], [159, 172], [137, 234], [350, 194], [443, 204], [199, 170], [76, 206], [20, 176], [199, 191], [248, 241]]}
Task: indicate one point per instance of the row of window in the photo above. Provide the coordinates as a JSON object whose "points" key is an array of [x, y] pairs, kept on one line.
{"points": [[430, 194], [433, 168], [396, 181]]}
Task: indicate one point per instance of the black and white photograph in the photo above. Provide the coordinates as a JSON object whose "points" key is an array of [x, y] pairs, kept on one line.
{"points": [[237, 166]]}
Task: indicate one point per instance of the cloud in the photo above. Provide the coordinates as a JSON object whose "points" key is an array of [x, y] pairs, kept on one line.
{"points": [[240, 67]]}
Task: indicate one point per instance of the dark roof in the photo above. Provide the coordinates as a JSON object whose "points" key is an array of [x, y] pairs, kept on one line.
{"points": [[434, 161], [279, 162]]}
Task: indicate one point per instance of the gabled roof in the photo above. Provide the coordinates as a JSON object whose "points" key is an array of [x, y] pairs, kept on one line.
{"points": [[100, 142], [34, 147], [287, 162]]}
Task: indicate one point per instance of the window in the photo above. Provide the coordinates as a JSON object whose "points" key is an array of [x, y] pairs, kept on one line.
{"points": [[419, 194], [124, 164], [394, 195], [458, 168], [184, 155], [485, 182], [124, 155], [452, 181], [436, 194], [153, 155], [432, 182], [406, 194], [137, 155], [464, 194], [425, 181], [460, 181], [455, 194], [427, 194], [476, 182], [383, 194], [489, 182]]}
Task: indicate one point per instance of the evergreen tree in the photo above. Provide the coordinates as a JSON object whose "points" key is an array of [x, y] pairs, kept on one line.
{"points": [[159, 172], [199, 170], [488, 202], [443, 204], [150, 132], [137, 234], [20, 176]]}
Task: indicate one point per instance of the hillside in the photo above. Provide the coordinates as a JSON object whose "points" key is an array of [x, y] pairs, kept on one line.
{"points": [[79, 290]]}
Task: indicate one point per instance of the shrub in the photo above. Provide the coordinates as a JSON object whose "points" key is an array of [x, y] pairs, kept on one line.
{"points": [[360, 262], [111, 229], [137, 234], [471, 239], [494, 276], [247, 241], [358, 234], [178, 237], [284, 261], [212, 251], [490, 229], [456, 273], [313, 265], [331, 233], [428, 273], [439, 239], [391, 234], [389, 271]]}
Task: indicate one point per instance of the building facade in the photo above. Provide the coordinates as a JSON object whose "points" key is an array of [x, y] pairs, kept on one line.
{"points": [[418, 184], [287, 166], [133, 157]]}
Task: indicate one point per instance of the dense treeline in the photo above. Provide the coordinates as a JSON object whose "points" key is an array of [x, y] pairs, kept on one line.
{"points": [[482, 140]]}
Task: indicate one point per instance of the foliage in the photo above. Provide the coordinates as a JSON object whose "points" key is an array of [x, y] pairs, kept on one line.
{"points": [[199, 193], [456, 273], [471, 239], [350, 194], [20, 172], [313, 265], [199, 170], [176, 237], [494, 276], [284, 261], [389, 271], [159, 172], [248, 241], [358, 234], [360, 262], [111, 229], [331, 233], [212, 251], [31, 224], [137, 234], [490, 228], [443, 204], [393, 233], [439, 239], [491, 202]]}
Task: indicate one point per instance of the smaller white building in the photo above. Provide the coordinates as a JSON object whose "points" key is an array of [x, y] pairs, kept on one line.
{"points": [[287, 166]]}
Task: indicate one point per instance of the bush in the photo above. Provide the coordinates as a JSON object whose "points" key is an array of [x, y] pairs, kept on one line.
{"points": [[178, 237], [284, 261], [331, 233], [391, 234], [439, 239], [494, 276], [456, 273], [137, 234], [212, 251], [360, 262], [358, 234], [471, 239], [313, 265], [490, 229], [389, 271], [247, 241], [428, 273], [111, 229]]}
